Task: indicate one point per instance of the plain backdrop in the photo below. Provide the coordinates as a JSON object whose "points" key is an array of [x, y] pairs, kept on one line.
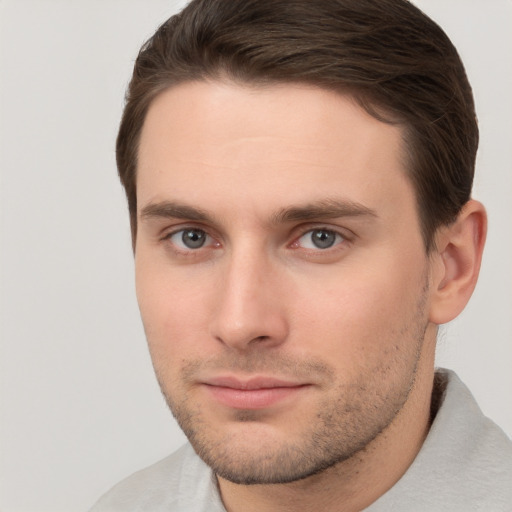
{"points": [[80, 408]]}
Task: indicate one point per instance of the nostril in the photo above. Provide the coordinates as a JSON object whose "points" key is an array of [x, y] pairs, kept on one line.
{"points": [[259, 339]]}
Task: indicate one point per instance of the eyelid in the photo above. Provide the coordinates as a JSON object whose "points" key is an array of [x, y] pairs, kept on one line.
{"points": [[302, 230], [168, 231], [167, 234], [307, 240], [298, 232], [181, 244]]}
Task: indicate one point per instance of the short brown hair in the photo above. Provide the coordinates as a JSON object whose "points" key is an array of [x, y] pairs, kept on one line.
{"points": [[396, 62]]}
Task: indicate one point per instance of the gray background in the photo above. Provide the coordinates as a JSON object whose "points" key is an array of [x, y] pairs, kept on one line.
{"points": [[79, 405]]}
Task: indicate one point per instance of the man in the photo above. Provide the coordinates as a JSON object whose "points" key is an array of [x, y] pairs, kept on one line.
{"points": [[299, 184]]}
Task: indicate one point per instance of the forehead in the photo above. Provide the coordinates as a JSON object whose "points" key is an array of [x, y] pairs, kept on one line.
{"points": [[234, 147]]}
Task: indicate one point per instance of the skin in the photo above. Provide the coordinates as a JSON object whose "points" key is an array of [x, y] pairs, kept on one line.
{"points": [[350, 328]]}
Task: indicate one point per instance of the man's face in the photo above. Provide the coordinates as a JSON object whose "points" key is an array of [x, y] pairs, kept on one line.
{"points": [[281, 274]]}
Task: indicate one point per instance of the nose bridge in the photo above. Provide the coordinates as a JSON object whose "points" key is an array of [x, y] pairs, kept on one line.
{"points": [[248, 308]]}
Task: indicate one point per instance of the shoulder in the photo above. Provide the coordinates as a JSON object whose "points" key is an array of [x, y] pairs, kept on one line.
{"points": [[462, 430], [180, 482], [465, 462], [472, 449]]}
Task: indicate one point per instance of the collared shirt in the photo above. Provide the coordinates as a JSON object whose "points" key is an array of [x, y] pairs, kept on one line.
{"points": [[464, 465]]}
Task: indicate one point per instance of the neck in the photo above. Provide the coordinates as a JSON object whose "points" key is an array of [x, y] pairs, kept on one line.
{"points": [[356, 483]]}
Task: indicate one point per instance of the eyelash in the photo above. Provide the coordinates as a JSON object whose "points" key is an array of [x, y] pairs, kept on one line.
{"points": [[338, 239], [187, 250], [341, 239]]}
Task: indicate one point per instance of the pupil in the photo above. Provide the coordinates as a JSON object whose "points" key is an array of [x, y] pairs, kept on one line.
{"points": [[323, 239], [193, 238]]}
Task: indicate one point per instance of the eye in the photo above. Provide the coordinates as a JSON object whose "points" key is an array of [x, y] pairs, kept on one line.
{"points": [[320, 239], [190, 238]]}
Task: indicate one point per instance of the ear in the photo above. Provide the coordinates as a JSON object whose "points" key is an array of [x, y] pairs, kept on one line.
{"points": [[456, 262]]}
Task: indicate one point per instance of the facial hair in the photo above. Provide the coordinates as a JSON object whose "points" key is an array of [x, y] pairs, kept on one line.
{"points": [[348, 417]]}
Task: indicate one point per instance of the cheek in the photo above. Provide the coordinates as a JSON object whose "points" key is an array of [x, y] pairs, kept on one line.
{"points": [[174, 311], [360, 316]]}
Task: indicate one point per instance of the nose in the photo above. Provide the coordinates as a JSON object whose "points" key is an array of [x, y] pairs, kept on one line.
{"points": [[250, 309]]}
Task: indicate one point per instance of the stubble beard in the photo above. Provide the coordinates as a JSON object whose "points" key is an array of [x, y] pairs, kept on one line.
{"points": [[344, 424]]}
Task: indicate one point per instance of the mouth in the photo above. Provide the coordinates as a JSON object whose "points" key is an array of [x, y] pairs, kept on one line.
{"points": [[252, 393]]}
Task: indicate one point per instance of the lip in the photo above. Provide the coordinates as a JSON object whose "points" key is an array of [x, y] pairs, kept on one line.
{"points": [[252, 393]]}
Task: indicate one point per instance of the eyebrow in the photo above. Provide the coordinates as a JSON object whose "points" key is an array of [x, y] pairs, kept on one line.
{"points": [[173, 210], [325, 209]]}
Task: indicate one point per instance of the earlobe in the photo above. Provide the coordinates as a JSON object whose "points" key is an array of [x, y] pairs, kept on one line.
{"points": [[457, 262]]}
